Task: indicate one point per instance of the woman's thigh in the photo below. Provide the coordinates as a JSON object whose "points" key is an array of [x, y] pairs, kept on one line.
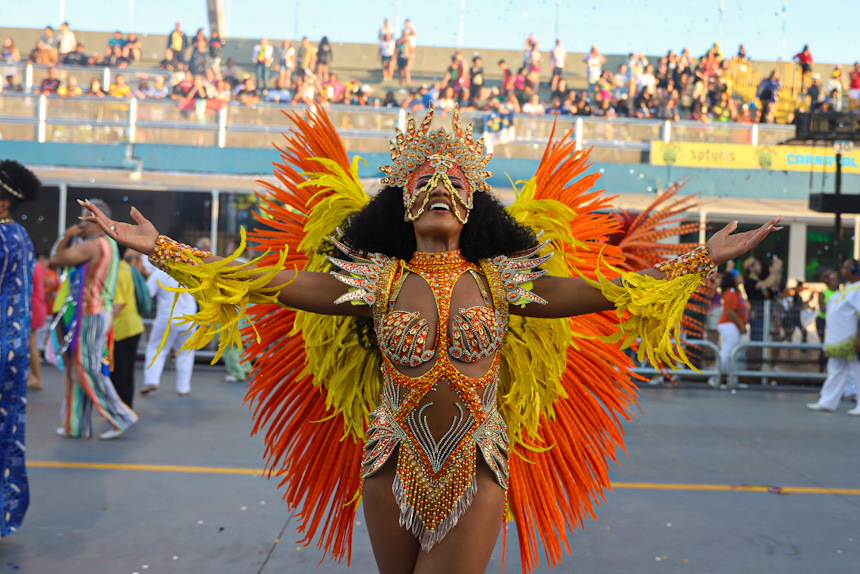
{"points": [[466, 549], [394, 548]]}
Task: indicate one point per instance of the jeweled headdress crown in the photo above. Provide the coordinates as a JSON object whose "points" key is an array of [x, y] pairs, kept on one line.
{"points": [[412, 149]]}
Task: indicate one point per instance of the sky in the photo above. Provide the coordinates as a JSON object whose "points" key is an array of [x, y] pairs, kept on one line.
{"points": [[616, 26]]}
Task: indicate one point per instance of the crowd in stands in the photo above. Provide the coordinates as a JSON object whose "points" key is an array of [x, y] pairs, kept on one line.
{"points": [[676, 86]]}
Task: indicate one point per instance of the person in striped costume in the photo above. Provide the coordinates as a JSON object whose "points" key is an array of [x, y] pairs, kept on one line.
{"points": [[87, 250]]}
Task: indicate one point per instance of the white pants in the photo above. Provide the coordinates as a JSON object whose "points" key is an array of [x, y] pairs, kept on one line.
{"points": [[730, 337], [838, 371], [175, 339]]}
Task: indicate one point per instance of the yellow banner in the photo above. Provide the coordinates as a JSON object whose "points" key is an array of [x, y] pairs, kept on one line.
{"points": [[739, 156]]}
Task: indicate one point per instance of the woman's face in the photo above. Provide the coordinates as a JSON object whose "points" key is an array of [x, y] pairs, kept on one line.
{"points": [[438, 218]]}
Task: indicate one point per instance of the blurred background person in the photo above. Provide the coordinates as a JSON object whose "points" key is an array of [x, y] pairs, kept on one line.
{"points": [[94, 259], [733, 320], [127, 327], [17, 260]]}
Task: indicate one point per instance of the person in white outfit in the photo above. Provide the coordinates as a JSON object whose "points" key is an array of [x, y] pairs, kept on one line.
{"points": [[178, 334], [841, 341], [733, 320]]}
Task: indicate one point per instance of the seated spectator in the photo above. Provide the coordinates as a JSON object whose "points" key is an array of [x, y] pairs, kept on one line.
{"points": [[669, 108], [413, 102], [231, 73], [170, 62], [247, 94], [51, 84], [605, 109], [142, 87], [447, 99], [48, 43], [116, 41], [533, 106], [96, 89], [119, 89], [199, 90], [334, 89], [71, 89], [77, 57], [560, 90], [183, 87], [281, 93], [724, 110], [43, 55], [744, 115], [512, 103], [158, 91], [699, 111], [362, 96], [9, 58], [584, 108], [555, 107], [116, 59], [224, 91], [133, 48], [622, 106], [389, 101]]}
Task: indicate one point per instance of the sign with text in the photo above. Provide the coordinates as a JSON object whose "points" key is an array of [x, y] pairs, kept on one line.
{"points": [[739, 156]]}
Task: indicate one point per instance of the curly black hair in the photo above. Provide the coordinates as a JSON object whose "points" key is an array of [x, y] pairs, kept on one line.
{"points": [[490, 231], [379, 228], [19, 178]]}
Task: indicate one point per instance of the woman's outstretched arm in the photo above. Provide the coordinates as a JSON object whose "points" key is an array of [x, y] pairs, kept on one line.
{"points": [[305, 290], [569, 296]]}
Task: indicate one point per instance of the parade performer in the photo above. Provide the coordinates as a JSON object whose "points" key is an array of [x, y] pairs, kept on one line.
{"points": [[94, 262], [17, 260], [425, 351]]}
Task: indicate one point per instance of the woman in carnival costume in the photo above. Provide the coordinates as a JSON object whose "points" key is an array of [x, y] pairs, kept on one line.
{"points": [[17, 260], [425, 351]]}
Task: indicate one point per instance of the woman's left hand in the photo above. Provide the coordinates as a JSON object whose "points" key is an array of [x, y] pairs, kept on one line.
{"points": [[723, 246]]}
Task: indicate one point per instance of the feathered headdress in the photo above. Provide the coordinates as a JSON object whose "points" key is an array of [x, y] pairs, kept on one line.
{"points": [[442, 150]]}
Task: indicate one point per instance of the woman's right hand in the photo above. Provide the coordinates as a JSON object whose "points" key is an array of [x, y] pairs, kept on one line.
{"points": [[140, 236]]}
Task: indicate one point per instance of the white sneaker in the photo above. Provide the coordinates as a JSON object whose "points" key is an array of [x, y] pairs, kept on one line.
{"points": [[62, 432], [855, 412], [714, 382], [231, 379], [111, 434], [818, 408]]}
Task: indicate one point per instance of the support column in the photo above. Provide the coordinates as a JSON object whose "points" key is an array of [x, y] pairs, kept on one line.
{"points": [[61, 217], [216, 209], [796, 265]]}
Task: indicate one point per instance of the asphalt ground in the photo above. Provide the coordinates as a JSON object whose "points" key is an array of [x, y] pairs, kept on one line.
{"points": [[714, 482]]}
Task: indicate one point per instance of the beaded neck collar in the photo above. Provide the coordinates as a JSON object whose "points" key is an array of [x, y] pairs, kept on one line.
{"points": [[435, 261]]}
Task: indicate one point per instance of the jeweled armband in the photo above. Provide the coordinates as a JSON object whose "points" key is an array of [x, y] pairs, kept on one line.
{"points": [[696, 261], [167, 249]]}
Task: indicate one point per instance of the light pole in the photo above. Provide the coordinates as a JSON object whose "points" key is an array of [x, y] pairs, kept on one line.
{"points": [[784, 56], [462, 23]]}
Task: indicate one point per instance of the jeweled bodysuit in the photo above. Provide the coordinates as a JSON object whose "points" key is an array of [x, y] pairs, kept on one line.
{"points": [[439, 417]]}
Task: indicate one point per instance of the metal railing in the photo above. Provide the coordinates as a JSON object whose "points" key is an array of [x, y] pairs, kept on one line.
{"points": [[736, 359], [81, 119], [716, 371]]}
